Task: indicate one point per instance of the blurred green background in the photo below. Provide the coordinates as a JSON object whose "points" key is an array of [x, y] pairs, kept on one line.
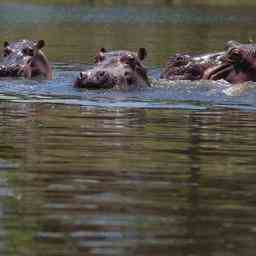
{"points": [[75, 30], [141, 2]]}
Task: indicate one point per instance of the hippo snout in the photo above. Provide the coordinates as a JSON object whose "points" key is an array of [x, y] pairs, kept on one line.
{"points": [[98, 80]]}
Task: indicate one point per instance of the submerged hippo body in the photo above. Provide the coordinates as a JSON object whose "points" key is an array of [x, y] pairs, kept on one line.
{"points": [[25, 58], [238, 65], [187, 67], [117, 69]]}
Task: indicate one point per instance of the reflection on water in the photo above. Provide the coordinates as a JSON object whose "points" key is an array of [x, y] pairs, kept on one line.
{"points": [[127, 182], [168, 170]]}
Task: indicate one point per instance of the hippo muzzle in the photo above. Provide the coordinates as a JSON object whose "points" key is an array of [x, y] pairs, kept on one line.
{"points": [[95, 80]]}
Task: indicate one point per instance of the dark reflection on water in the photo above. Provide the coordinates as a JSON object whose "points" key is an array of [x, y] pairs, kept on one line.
{"points": [[90, 181]]}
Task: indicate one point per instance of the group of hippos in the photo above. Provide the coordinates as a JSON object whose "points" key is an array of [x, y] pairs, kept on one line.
{"points": [[125, 69]]}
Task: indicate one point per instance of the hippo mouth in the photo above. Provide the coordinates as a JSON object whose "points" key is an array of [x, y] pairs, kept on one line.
{"points": [[231, 61], [92, 86], [219, 72]]}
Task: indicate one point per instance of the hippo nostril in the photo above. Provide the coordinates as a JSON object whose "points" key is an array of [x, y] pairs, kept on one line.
{"points": [[180, 58], [102, 73], [82, 76]]}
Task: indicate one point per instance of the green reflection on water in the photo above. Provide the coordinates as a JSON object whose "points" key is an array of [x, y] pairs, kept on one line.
{"points": [[104, 180], [141, 2]]}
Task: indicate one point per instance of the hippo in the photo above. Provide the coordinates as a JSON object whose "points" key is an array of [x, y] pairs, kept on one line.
{"points": [[188, 67], [25, 58], [238, 64], [115, 69]]}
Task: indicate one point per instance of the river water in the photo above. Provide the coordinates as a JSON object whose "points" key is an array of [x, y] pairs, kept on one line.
{"points": [[169, 170]]}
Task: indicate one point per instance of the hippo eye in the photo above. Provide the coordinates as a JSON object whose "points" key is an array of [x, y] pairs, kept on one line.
{"points": [[28, 51], [99, 58], [132, 60], [128, 59], [235, 54]]}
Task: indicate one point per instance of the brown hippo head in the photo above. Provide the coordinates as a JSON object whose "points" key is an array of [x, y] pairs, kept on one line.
{"points": [[238, 64], [187, 67], [25, 58], [181, 67], [117, 69]]}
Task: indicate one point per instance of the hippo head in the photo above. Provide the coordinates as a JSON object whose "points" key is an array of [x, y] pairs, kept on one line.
{"points": [[182, 67], [119, 69], [187, 67], [25, 58], [238, 64]]}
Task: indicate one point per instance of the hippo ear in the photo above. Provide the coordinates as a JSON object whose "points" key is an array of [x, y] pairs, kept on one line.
{"points": [[40, 44], [100, 55], [6, 44], [7, 50], [103, 50], [142, 53]]}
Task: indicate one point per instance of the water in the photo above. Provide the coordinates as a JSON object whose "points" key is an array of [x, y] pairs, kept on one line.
{"points": [[168, 170]]}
